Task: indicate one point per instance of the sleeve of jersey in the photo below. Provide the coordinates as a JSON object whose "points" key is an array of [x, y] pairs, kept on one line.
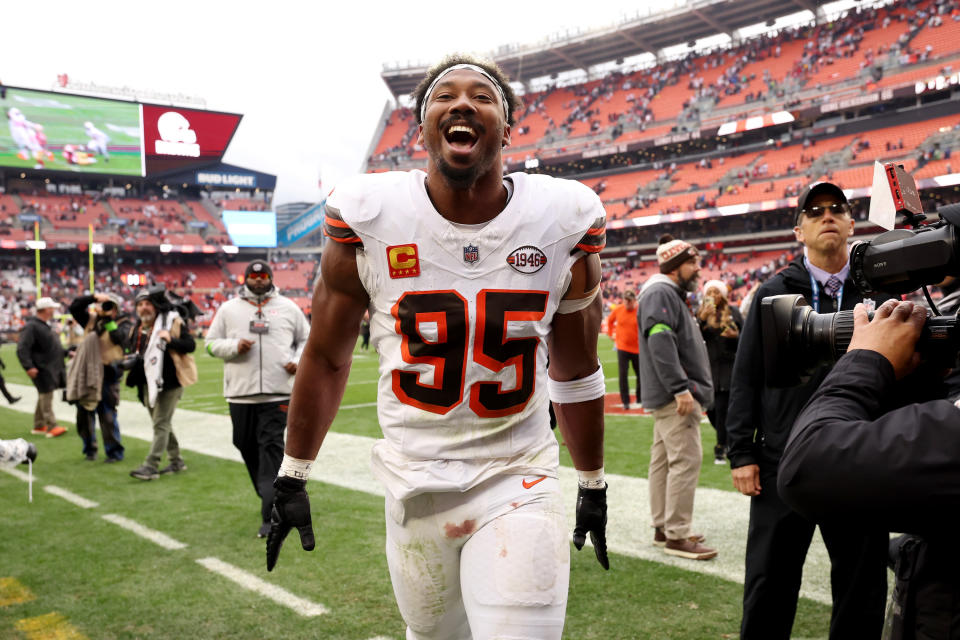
{"points": [[595, 239], [336, 229]]}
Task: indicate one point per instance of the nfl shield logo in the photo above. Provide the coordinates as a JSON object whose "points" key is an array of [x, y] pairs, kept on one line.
{"points": [[471, 254]]}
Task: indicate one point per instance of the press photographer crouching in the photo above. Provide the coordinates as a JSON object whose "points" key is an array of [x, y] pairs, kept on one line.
{"points": [[850, 455]]}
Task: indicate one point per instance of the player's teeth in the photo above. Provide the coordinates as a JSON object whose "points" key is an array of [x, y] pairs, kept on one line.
{"points": [[458, 128]]}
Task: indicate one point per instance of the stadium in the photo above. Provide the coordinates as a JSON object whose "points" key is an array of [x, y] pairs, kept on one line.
{"points": [[712, 144]]}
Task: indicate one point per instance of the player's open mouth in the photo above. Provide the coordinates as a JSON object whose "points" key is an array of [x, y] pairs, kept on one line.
{"points": [[461, 137]]}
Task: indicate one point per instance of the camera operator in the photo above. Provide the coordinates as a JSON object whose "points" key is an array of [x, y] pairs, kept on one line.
{"points": [[759, 418], [851, 455], [160, 367], [93, 381]]}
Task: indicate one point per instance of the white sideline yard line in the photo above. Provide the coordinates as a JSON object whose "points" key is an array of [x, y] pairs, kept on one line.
{"points": [[251, 582], [154, 536], [358, 406], [344, 461], [70, 496]]}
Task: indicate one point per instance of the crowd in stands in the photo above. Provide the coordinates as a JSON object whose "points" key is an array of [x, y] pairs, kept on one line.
{"points": [[129, 221], [207, 285]]}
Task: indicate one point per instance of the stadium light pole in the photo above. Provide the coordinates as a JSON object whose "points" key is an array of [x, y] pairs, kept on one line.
{"points": [[36, 253], [90, 250]]}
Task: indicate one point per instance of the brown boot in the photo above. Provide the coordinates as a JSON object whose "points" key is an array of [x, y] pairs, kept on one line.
{"points": [[660, 538], [689, 549]]}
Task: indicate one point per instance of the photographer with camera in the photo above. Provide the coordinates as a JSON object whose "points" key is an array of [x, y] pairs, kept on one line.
{"points": [[160, 367], [93, 378], [759, 418], [897, 467]]}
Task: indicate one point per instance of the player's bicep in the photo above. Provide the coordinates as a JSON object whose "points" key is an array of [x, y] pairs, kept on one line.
{"points": [[573, 342], [339, 302]]}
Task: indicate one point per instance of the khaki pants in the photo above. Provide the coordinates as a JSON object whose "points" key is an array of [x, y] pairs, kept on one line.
{"points": [[43, 414], [675, 458], [163, 438]]}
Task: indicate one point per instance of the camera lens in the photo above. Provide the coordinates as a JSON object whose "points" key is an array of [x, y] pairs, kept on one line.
{"points": [[108, 305]]}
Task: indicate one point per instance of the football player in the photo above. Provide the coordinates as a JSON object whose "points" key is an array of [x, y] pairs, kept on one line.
{"points": [[29, 138], [98, 140], [471, 279]]}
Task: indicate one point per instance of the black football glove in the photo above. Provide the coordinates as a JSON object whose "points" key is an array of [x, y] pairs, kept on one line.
{"points": [[291, 508], [592, 519]]}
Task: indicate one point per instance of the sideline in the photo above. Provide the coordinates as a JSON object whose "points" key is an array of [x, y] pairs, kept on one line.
{"points": [[344, 461]]}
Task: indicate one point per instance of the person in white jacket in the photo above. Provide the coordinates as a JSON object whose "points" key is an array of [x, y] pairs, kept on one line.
{"points": [[259, 335]]}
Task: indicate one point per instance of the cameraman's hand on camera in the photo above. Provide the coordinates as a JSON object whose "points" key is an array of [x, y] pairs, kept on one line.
{"points": [[892, 333], [101, 297], [291, 508], [685, 403], [746, 479]]}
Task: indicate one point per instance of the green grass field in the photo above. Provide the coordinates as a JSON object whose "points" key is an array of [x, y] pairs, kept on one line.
{"points": [[62, 117], [103, 582]]}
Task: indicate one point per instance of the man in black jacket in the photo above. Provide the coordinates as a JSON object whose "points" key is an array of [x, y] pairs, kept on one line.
{"points": [[111, 328], [852, 455], [41, 356], [758, 423]]}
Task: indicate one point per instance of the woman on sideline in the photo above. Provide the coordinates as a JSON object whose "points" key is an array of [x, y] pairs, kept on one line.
{"points": [[720, 324]]}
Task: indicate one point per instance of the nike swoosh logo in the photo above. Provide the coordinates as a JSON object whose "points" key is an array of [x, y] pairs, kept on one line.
{"points": [[528, 485]]}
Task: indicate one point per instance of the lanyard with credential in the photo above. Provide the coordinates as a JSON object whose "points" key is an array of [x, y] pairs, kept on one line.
{"points": [[816, 294]]}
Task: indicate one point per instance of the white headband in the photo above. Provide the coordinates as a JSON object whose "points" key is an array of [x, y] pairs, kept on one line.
{"points": [[471, 67]]}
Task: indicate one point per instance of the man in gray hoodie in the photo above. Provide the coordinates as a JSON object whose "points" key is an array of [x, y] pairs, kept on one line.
{"points": [[675, 385], [260, 335]]}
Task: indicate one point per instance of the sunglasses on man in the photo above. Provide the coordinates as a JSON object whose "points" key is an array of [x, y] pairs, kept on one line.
{"points": [[837, 209]]}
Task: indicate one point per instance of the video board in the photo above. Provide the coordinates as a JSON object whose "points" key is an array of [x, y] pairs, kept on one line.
{"points": [[46, 130], [176, 139], [251, 228], [62, 132]]}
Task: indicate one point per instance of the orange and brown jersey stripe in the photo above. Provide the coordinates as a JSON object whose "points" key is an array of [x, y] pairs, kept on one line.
{"points": [[336, 229], [595, 239]]}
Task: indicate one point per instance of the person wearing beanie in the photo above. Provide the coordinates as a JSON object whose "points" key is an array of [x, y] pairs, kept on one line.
{"points": [[161, 366], [759, 419], [622, 327], [676, 386], [720, 324], [259, 334]]}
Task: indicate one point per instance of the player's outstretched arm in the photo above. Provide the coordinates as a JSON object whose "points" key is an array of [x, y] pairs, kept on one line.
{"points": [[339, 302], [577, 391]]}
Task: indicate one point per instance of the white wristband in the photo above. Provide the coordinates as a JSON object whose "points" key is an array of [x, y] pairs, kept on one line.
{"points": [[295, 468], [581, 390], [592, 479]]}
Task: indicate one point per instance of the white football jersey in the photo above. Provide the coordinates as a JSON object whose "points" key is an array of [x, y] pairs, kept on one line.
{"points": [[459, 315]]}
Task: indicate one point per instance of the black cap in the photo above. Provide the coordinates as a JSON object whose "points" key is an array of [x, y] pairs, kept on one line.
{"points": [[813, 190], [258, 266]]}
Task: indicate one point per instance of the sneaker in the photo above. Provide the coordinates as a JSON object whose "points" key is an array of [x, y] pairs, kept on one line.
{"points": [[56, 431], [689, 549], [173, 467], [144, 472], [660, 538], [264, 530], [15, 399], [39, 431], [90, 457], [719, 460], [111, 460]]}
